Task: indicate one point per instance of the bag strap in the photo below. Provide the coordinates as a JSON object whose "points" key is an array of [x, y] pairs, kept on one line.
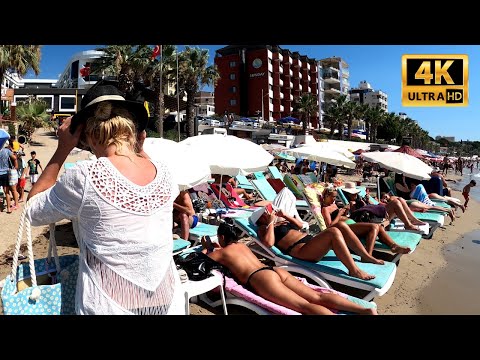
{"points": [[52, 247], [10, 162]]}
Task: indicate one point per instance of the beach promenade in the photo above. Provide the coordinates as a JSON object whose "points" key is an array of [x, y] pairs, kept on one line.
{"points": [[438, 278]]}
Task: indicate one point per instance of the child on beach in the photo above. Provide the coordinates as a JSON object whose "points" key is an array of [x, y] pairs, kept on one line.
{"points": [[33, 165], [466, 191]]}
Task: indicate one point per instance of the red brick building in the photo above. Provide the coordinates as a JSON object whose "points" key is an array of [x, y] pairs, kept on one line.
{"points": [[250, 72]]}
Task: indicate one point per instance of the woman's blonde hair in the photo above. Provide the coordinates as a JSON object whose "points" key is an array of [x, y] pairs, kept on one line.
{"points": [[111, 125]]}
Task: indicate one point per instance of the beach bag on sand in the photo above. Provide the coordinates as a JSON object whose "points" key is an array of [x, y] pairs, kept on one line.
{"points": [[42, 286]]}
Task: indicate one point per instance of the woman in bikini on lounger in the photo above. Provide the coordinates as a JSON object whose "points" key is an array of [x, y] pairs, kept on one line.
{"points": [[280, 229], [335, 217], [275, 284]]}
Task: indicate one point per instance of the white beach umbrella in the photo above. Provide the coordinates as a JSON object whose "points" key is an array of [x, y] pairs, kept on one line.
{"points": [[274, 147], [400, 163], [229, 155], [319, 153], [329, 146], [188, 168]]}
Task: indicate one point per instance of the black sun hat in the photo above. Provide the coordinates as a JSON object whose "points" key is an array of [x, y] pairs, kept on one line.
{"points": [[105, 90]]}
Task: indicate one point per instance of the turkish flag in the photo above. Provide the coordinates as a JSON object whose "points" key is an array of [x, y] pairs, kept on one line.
{"points": [[85, 71], [157, 50]]}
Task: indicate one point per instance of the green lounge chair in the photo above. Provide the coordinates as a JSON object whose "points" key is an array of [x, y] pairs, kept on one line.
{"points": [[275, 173]]}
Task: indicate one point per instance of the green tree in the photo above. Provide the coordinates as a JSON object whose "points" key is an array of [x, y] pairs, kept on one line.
{"points": [[332, 117], [19, 59], [306, 104], [127, 63], [166, 69], [194, 73], [32, 114]]}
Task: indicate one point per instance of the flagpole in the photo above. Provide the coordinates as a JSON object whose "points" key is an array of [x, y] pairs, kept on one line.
{"points": [[161, 92], [178, 98]]}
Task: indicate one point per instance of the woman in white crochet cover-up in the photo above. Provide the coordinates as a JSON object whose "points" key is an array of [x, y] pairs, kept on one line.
{"points": [[121, 208]]}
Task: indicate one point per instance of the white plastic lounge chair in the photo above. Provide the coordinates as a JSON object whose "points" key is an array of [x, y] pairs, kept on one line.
{"points": [[329, 268], [238, 295]]}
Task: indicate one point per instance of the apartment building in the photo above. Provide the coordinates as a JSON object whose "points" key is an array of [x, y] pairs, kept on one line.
{"points": [[264, 80], [365, 94], [205, 103], [335, 74]]}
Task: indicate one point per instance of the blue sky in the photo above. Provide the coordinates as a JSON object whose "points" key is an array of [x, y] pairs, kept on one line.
{"points": [[380, 65]]}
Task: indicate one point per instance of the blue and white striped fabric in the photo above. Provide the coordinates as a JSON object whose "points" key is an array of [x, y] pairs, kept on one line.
{"points": [[421, 195]]}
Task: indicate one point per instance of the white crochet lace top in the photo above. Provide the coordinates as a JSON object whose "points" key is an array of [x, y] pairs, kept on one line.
{"points": [[124, 232]]}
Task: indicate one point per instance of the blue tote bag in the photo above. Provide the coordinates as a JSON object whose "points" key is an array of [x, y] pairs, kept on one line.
{"points": [[42, 286]]}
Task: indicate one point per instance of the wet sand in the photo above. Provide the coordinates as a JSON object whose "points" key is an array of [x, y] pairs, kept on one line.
{"points": [[455, 289]]}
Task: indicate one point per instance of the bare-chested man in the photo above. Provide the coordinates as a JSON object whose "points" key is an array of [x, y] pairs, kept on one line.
{"points": [[184, 214]]}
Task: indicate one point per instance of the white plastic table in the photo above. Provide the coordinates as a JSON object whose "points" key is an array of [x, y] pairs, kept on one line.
{"points": [[194, 288]]}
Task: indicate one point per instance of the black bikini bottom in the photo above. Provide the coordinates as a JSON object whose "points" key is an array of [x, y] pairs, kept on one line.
{"points": [[303, 240], [247, 284]]}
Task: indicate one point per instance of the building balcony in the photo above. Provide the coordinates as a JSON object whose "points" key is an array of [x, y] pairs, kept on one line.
{"points": [[345, 73], [332, 91]]}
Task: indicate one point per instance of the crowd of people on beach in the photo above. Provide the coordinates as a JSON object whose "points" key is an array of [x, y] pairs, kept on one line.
{"points": [[125, 208], [15, 171]]}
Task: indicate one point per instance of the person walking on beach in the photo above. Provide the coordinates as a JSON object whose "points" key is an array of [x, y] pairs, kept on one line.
{"points": [[466, 191], [120, 205], [33, 165]]}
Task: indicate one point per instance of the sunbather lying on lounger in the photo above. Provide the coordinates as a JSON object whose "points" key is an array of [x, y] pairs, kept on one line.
{"points": [[419, 193], [279, 229], [395, 207], [273, 283], [335, 217], [414, 205]]}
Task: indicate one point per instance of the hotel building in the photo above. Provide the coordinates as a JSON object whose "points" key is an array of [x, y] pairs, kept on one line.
{"points": [[264, 80]]}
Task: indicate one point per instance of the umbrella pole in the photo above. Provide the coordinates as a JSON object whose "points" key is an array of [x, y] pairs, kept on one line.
{"points": [[220, 187]]}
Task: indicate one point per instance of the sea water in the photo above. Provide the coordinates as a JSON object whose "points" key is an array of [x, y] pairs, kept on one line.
{"points": [[456, 288]]}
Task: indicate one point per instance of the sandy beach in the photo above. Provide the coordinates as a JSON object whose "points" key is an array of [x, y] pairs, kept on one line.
{"points": [[438, 278]]}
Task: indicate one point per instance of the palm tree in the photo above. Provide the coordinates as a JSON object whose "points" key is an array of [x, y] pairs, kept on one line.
{"points": [[32, 115], [376, 117], [127, 62], [307, 105], [194, 73], [333, 115], [19, 59], [166, 69]]}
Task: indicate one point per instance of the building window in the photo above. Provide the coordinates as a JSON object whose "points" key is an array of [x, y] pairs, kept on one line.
{"points": [[20, 98], [233, 64], [233, 89], [48, 99], [67, 103], [233, 102], [232, 76]]}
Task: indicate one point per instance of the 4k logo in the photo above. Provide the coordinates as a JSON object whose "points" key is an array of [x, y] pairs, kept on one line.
{"points": [[434, 80]]}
